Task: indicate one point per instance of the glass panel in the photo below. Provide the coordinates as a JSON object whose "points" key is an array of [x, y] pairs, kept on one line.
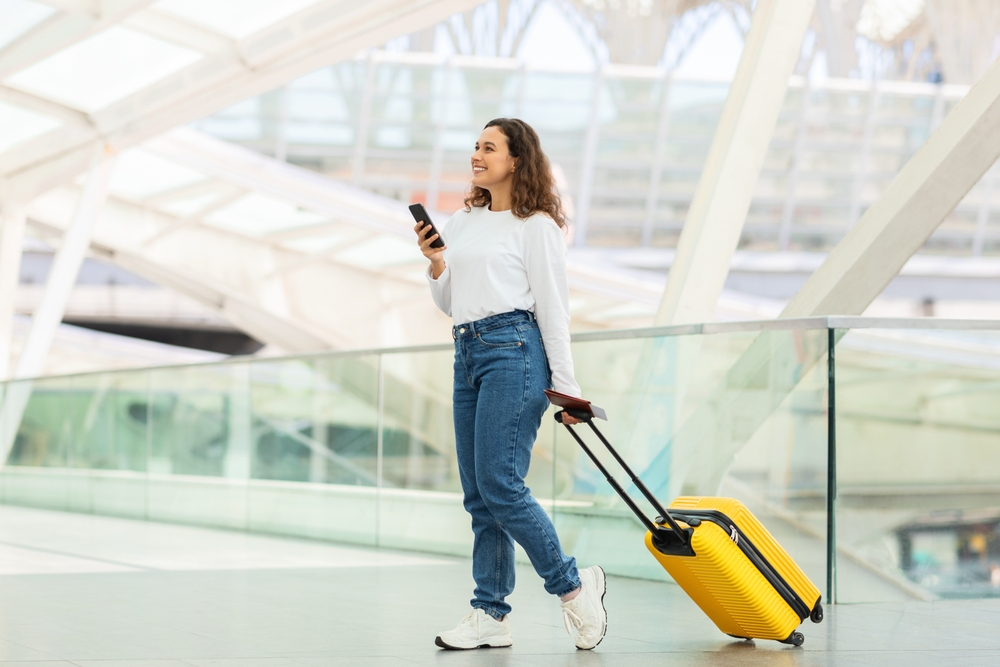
{"points": [[199, 419], [315, 420], [109, 443], [39, 441], [45, 431], [736, 415], [189, 409], [418, 448], [918, 464]]}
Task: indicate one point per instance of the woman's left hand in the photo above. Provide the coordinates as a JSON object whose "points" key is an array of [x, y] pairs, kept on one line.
{"points": [[567, 419]]}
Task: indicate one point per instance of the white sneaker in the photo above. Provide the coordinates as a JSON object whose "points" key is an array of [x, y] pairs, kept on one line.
{"points": [[477, 630], [586, 613]]}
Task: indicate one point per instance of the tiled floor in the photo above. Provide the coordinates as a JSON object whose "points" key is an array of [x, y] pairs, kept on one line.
{"points": [[102, 592]]}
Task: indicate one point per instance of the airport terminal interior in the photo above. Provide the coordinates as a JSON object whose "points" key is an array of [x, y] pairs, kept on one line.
{"points": [[226, 430]]}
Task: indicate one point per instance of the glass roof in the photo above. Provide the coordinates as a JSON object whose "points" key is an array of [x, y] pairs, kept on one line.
{"points": [[20, 16], [18, 125], [257, 214], [380, 252], [188, 206], [103, 69], [140, 174], [233, 18]]}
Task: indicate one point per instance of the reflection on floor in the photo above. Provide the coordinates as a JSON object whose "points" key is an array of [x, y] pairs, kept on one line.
{"points": [[102, 592]]}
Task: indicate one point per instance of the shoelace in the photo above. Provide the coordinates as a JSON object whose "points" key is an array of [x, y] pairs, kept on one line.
{"points": [[471, 619], [571, 617]]}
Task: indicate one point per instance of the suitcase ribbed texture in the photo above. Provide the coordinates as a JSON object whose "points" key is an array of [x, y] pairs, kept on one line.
{"points": [[759, 536], [728, 587]]}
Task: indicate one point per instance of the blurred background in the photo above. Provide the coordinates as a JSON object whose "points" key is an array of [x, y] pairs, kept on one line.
{"points": [[232, 347]]}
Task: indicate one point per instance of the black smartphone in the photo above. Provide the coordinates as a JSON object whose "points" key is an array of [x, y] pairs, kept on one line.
{"points": [[420, 215]]}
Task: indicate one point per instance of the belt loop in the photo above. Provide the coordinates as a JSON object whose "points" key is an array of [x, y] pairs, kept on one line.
{"points": [[531, 316]]}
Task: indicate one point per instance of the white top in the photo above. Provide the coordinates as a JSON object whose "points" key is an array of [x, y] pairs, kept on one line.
{"points": [[496, 263]]}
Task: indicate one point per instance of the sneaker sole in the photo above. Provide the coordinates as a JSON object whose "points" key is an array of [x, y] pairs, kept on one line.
{"points": [[604, 590], [495, 643]]}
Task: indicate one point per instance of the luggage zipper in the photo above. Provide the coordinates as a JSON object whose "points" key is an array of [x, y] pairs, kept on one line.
{"points": [[747, 547]]}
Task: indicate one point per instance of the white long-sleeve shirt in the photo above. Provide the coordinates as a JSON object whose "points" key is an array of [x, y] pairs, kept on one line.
{"points": [[496, 263]]}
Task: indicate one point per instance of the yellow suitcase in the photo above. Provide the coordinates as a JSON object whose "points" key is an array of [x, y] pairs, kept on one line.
{"points": [[720, 554]]}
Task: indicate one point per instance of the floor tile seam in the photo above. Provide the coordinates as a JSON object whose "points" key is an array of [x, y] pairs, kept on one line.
{"points": [[81, 557], [30, 648]]}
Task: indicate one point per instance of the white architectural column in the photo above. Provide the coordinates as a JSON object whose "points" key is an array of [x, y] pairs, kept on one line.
{"points": [[49, 313], [914, 204], [65, 269], [11, 240], [721, 202]]}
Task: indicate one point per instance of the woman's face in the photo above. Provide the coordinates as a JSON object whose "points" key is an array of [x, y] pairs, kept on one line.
{"points": [[492, 163]]}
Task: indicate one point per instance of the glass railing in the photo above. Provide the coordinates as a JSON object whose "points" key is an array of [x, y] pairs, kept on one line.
{"points": [[358, 447], [627, 143]]}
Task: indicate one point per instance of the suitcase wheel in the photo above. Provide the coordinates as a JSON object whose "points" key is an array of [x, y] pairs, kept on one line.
{"points": [[817, 614], [795, 639]]}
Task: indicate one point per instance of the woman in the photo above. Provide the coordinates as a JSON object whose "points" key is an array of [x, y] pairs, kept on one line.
{"points": [[502, 278]]}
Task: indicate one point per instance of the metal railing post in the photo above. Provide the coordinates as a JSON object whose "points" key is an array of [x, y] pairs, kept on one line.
{"points": [[379, 425], [831, 471]]}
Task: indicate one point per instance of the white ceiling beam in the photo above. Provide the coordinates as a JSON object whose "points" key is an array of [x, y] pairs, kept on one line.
{"points": [[83, 7], [253, 171], [323, 34], [64, 271], [45, 106], [196, 219], [61, 31], [188, 191], [177, 31], [241, 312], [358, 237]]}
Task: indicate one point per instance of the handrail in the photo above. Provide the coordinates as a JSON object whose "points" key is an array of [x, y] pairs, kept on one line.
{"points": [[740, 326]]}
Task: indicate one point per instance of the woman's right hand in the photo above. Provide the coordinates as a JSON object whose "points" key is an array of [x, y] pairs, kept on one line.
{"points": [[435, 255]]}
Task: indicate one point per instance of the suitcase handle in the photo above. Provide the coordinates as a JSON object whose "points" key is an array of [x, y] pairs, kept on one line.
{"points": [[655, 530]]}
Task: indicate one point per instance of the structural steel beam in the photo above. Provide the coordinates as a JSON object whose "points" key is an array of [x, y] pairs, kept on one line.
{"points": [[721, 202], [48, 315], [65, 269], [914, 204]]}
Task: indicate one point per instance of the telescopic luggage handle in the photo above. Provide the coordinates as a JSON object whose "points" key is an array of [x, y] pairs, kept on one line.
{"points": [[675, 541]]}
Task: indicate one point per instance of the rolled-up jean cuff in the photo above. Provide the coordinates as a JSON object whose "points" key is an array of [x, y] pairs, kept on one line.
{"points": [[569, 590], [491, 612]]}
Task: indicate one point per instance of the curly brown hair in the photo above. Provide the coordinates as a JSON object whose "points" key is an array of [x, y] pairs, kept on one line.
{"points": [[533, 190]]}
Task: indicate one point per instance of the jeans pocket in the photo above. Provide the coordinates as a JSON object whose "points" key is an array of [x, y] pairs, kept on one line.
{"points": [[501, 337]]}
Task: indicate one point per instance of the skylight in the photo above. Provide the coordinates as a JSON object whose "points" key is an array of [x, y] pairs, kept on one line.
{"points": [[188, 206], [256, 215], [381, 252], [20, 16], [234, 18], [18, 125], [103, 69], [884, 19], [139, 174]]}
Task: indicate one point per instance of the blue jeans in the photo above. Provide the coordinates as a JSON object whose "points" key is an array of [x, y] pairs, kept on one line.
{"points": [[500, 374]]}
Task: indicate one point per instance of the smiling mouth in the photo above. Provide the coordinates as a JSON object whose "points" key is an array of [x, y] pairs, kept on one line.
{"points": [[478, 170]]}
